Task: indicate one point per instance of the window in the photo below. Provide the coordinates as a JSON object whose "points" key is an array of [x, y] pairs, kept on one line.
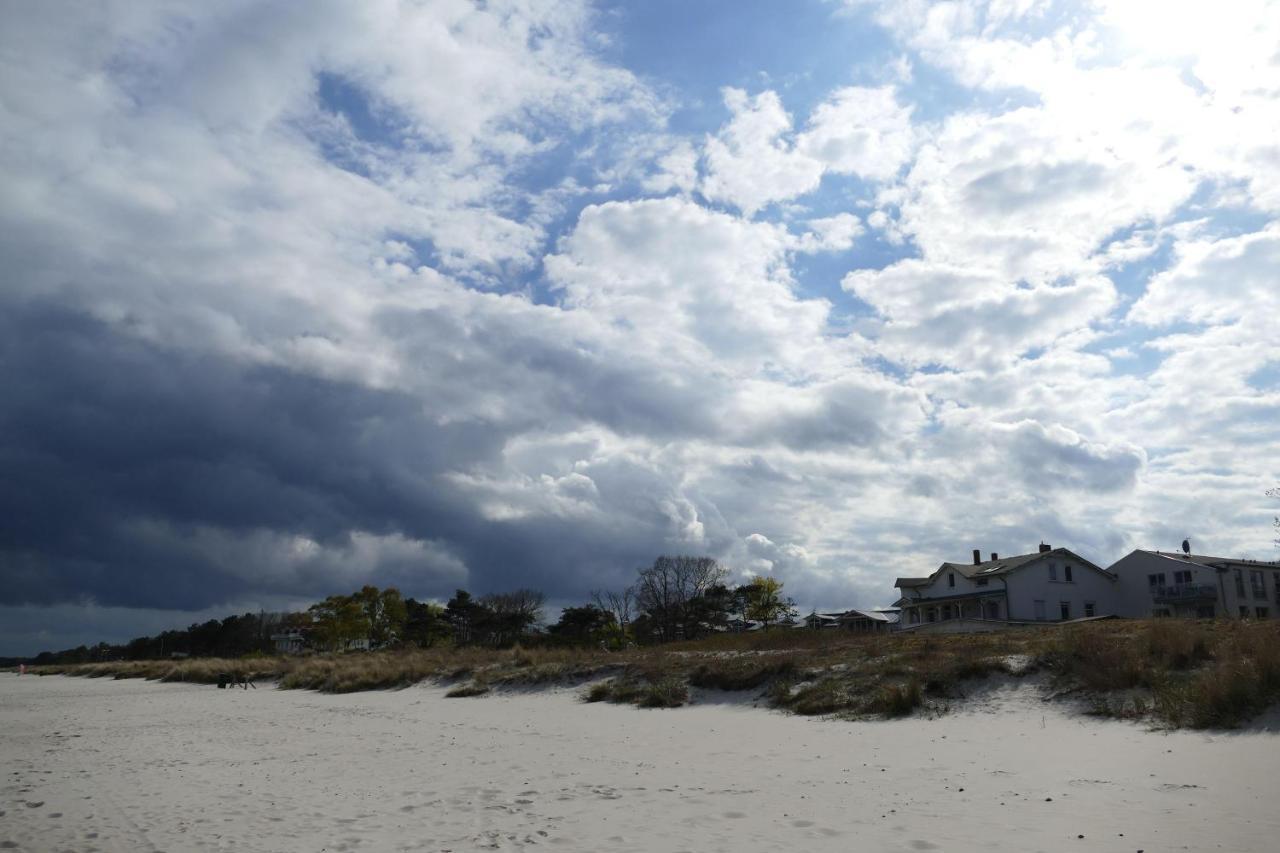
{"points": [[1240, 584], [1154, 581], [1065, 608], [1053, 571], [1182, 577], [951, 580], [981, 582], [933, 614], [1260, 612], [1066, 573], [1088, 608], [1259, 585], [1244, 612], [1039, 605]]}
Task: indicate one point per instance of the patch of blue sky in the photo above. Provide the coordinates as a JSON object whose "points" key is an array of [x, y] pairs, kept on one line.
{"points": [[934, 94], [1131, 279], [802, 50], [1127, 346], [1267, 377], [424, 250], [340, 96]]}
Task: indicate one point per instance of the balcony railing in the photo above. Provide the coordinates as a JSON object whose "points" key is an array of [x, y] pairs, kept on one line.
{"points": [[1187, 592]]}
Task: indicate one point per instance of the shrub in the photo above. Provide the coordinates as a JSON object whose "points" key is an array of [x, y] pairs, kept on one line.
{"points": [[601, 691], [1177, 643], [823, 697], [667, 693], [895, 700], [471, 688], [741, 673]]}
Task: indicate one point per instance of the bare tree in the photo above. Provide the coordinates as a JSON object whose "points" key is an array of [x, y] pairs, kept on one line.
{"points": [[512, 614], [620, 604], [1275, 523], [666, 590]]}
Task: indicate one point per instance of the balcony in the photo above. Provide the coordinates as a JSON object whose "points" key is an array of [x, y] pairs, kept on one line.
{"points": [[1186, 592]]}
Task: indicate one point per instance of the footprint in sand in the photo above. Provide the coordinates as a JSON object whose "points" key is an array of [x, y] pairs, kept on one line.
{"points": [[735, 815], [923, 845]]}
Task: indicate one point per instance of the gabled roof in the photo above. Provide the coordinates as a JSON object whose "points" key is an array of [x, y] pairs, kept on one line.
{"points": [[1007, 566], [889, 616], [905, 583], [1212, 562]]}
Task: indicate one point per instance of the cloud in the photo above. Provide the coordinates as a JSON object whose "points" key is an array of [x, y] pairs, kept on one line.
{"points": [[938, 313], [860, 131], [1216, 281], [751, 163], [441, 295], [755, 159], [1055, 457]]}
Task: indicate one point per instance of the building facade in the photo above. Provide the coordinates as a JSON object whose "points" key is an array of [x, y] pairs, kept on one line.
{"points": [[1050, 585], [1160, 583]]}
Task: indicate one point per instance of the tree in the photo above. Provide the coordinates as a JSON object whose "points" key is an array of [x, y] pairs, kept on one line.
{"points": [[338, 621], [667, 594], [425, 623], [764, 601], [511, 614], [385, 611], [463, 614], [621, 606], [585, 625]]}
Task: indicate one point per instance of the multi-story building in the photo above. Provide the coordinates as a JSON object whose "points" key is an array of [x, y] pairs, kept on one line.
{"points": [[1050, 585], [1160, 583]]}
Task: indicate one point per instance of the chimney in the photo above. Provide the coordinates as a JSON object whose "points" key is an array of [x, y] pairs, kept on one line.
{"points": [[1044, 549], [994, 556], [977, 556]]}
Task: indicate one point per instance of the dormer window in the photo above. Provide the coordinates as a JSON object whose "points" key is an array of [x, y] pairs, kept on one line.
{"points": [[951, 580]]}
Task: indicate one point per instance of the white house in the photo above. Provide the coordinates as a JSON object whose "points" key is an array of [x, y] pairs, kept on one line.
{"points": [[1160, 583], [289, 642], [1050, 585]]}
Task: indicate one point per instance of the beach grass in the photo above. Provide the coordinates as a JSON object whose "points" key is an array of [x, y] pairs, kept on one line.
{"points": [[1181, 673]]}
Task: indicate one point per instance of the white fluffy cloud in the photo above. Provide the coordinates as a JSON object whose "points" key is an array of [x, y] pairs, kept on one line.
{"points": [[1217, 281], [755, 159]]}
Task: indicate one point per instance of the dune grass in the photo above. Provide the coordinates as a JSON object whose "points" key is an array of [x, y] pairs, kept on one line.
{"points": [[1181, 673]]}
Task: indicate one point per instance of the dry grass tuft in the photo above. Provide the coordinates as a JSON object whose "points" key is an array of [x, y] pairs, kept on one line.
{"points": [[471, 688]]}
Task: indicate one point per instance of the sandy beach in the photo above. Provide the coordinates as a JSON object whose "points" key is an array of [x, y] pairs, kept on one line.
{"points": [[97, 765]]}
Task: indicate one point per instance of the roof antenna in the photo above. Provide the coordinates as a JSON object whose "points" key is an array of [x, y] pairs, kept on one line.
{"points": [[1186, 547]]}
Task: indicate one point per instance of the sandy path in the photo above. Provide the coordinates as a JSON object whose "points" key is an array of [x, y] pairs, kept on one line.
{"points": [[127, 765]]}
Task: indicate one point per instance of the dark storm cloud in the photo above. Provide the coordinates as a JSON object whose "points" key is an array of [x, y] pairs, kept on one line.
{"points": [[104, 436]]}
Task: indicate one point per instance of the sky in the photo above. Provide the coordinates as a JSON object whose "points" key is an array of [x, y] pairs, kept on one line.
{"points": [[441, 294]]}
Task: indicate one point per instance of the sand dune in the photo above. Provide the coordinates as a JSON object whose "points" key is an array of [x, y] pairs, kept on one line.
{"points": [[127, 765]]}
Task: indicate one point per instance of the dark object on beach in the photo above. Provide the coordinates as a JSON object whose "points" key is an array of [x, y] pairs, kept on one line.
{"points": [[228, 679]]}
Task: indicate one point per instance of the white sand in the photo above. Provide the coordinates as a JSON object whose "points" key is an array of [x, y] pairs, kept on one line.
{"points": [[128, 765]]}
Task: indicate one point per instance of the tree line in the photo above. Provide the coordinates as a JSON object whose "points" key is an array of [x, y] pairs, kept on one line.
{"points": [[677, 598]]}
